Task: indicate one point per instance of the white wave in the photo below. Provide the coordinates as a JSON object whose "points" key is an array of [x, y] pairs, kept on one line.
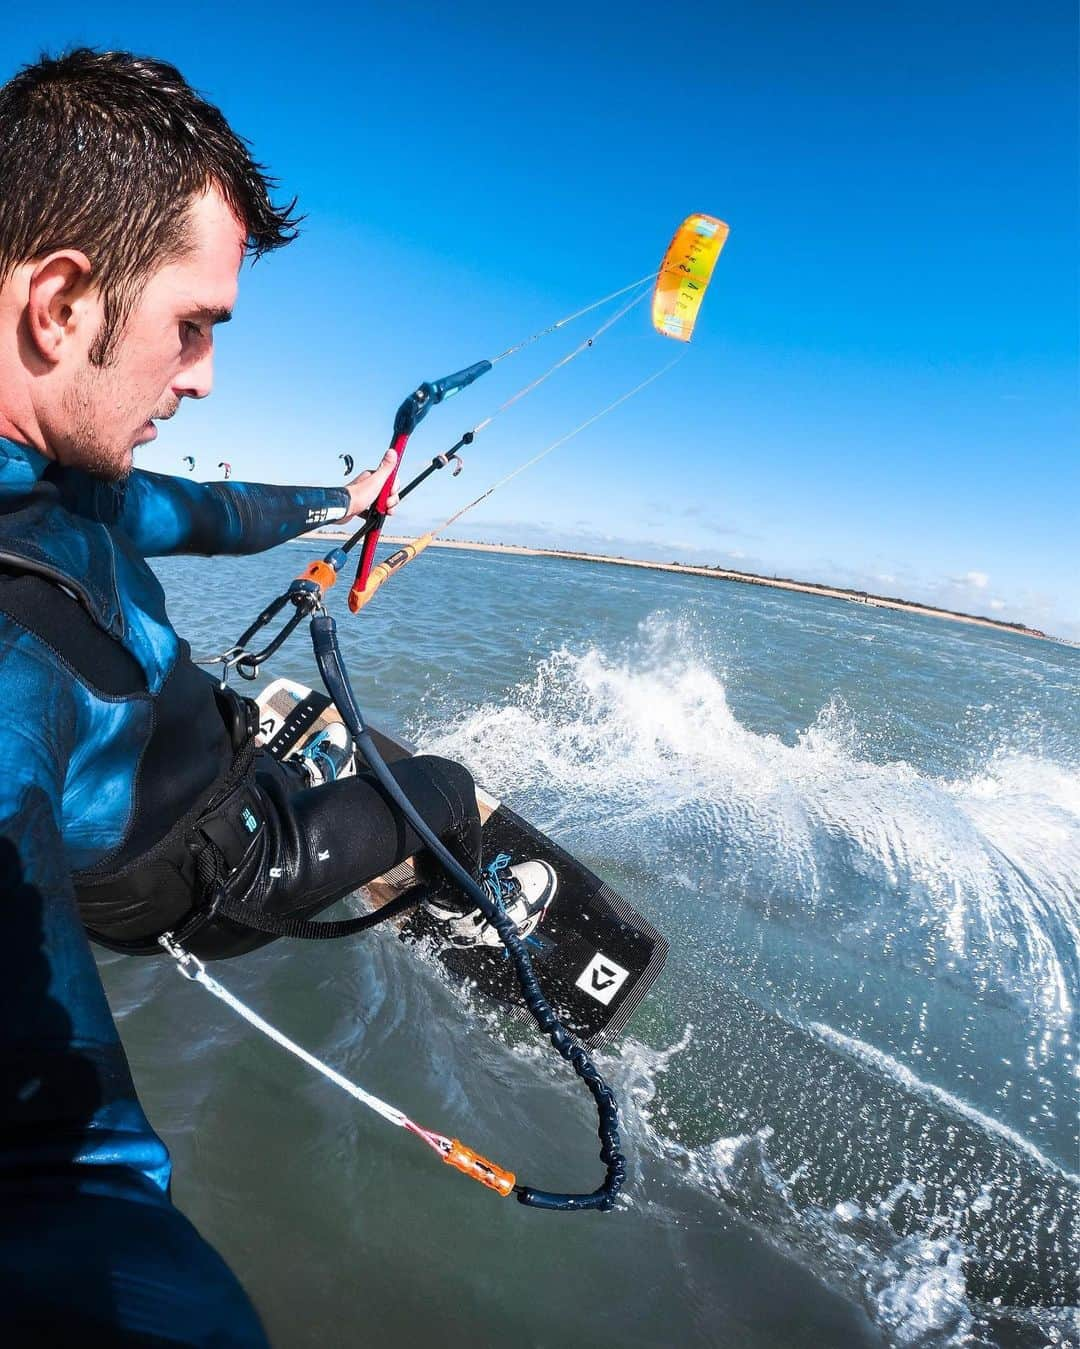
{"points": [[883, 1063], [645, 756], [913, 1287]]}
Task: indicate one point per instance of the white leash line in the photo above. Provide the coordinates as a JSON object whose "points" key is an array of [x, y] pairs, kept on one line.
{"points": [[191, 967]]}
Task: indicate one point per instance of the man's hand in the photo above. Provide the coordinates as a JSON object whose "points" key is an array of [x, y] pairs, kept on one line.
{"points": [[365, 487]]}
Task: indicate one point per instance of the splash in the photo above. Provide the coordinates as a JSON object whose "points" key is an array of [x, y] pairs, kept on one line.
{"points": [[975, 876], [888, 1067], [914, 1286]]}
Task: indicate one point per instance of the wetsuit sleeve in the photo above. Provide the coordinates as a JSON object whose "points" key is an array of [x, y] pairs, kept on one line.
{"points": [[67, 1102], [164, 515]]}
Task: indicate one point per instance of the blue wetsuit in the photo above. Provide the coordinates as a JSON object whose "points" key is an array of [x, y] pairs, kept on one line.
{"points": [[88, 1237], [94, 769]]}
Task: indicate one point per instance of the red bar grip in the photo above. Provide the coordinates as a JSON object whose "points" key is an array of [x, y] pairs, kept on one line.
{"points": [[367, 551]]}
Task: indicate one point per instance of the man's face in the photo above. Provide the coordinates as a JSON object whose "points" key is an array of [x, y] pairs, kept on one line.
{"points": [[164, 352]]}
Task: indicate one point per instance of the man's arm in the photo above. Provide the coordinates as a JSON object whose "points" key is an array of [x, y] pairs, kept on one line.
{"points": [[67, 1102], [164, 515]]}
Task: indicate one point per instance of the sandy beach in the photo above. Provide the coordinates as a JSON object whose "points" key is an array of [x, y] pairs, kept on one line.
{"points": [[719, 574]]}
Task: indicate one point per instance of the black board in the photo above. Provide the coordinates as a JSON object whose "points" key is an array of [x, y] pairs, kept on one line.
{"points": [[595, 956]]}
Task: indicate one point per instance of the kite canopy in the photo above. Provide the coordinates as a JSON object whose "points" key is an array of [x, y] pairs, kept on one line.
{"points": [[187, 459], [685, 273], [347, 460]]}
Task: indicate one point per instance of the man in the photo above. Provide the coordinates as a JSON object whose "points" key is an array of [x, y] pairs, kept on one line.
{"points": [[134, 798]]}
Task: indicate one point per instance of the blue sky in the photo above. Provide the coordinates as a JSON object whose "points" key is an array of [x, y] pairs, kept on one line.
{"points": [[882, 387]]}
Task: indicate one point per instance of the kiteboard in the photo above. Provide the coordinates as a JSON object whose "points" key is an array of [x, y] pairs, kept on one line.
{"points": [[595, 956]]}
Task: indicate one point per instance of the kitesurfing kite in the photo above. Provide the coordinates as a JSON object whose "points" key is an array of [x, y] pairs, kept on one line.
{"points": [[347, 460], [227, 467], [684, 274], [190, 461]]}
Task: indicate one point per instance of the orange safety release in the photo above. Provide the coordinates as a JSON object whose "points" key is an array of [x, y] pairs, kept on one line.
{"points": [[479, 1168], [320, 572]]}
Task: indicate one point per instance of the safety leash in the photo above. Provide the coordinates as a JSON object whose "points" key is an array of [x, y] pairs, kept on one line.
{"points": [[332, 668], [451, 1150]]}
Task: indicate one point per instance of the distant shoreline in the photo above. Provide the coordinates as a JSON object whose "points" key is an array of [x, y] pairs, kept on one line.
{"points": [[724, 574]]}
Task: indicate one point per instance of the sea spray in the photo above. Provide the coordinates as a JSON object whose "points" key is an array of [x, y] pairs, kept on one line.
{"points": [[917, 1287], [648, 749]]}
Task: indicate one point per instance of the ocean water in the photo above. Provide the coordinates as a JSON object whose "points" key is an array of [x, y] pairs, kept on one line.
{"points": [[850, 1102]]}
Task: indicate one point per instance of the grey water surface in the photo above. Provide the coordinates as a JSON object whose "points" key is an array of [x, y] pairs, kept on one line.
{"points": [[850, 1101]]}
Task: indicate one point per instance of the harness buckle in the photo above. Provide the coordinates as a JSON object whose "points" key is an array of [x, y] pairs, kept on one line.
{"points": [[190, 966]]}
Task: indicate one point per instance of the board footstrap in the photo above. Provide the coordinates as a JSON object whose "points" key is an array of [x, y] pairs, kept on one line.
{"points": [[299, 721]]}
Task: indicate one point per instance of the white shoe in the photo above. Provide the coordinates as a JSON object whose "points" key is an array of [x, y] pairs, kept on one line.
{"points": [[329, 755], [524, 891]]}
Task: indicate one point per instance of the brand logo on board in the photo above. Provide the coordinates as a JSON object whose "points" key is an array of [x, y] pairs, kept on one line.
{"points": [[602, 978]]}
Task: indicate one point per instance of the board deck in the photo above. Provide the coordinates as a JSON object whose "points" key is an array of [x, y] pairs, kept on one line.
{"points": [[595, 956]]}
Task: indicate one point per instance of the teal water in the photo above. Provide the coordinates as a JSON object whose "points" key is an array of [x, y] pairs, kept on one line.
{"points": [[850, 1101]]}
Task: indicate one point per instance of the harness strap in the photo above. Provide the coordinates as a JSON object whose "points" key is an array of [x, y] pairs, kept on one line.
{"points": [[52, 613], [316, 931]]}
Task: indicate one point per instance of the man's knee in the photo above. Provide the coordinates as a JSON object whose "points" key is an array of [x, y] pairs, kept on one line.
{"points": [[450, 778]]}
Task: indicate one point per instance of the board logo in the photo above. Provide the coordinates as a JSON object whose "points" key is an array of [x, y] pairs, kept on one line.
{"points": [[602, 978]]}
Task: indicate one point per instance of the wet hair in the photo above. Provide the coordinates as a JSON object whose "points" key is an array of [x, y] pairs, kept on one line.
{"points": [[104, 152]]}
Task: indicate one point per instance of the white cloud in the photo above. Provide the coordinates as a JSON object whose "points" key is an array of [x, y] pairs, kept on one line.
{"points": [[977, 580], [997, 605]]}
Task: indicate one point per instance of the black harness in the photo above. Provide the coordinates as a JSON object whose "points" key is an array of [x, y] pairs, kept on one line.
{"points": [[197, 777]]}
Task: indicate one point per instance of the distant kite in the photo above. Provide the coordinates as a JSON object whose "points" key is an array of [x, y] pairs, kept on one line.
{"points": [[189, 460], [227, 467], [685, 274], [347, 460]]}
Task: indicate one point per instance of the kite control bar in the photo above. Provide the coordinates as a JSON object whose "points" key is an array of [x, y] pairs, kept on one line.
{"points": [[306, 592], [681, 282], [409, 416]]}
